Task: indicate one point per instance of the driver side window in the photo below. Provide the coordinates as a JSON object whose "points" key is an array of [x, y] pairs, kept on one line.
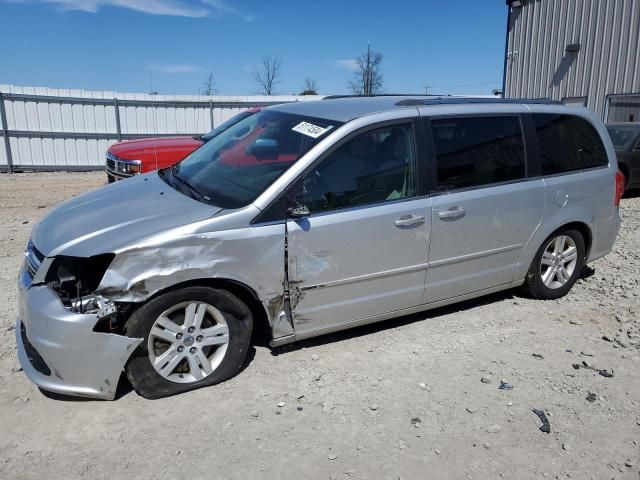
{"points": [[375, 166]]}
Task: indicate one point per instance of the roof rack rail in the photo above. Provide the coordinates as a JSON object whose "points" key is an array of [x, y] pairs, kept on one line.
{"points": [[409, 102], [333, 97], [421, 99]]}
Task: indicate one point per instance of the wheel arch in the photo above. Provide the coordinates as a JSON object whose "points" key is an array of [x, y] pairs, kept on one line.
{"points": [[262, 332], [542, 235], [584, 230]]}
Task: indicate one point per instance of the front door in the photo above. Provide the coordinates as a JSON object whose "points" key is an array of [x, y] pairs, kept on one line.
{"points": [[363, 249], [484, 209]]}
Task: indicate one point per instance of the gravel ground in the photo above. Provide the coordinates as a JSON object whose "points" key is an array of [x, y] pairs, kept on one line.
{"points": [[402, 399]]}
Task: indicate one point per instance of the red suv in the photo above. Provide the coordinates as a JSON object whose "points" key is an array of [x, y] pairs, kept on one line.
{"points": [[132, 157]]}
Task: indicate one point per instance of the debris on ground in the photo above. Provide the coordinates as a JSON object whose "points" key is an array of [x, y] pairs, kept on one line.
{"points": [[602, 372], [546, 426], [505, 386], [591, 397]]}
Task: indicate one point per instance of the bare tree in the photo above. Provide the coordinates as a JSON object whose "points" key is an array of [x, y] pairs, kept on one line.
{"points": [[209, 85], [267, 74], [310, 87], [367, 79]]}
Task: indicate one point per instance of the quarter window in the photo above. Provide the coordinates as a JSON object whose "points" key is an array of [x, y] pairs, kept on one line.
{"points": [[475, 151], [373, 167], [568, 143]]}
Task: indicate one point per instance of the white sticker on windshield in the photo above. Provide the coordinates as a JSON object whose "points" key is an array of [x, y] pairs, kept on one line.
{"points": [[310, 130]]}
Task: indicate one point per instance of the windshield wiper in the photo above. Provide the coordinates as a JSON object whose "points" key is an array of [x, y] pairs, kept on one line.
{"points": [[194, 193]]}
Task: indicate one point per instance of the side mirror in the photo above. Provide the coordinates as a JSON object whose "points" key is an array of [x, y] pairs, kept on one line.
{"points": [[298, 212]]}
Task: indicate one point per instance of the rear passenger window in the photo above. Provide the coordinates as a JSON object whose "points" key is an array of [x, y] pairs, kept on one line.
{"points": [[568, 143], [476, 151]]}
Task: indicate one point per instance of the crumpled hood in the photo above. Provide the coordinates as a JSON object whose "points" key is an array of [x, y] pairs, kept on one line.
{"points": [[115, 216]]}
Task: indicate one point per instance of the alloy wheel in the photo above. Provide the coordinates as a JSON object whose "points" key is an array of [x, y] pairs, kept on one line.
{"points": [[188, 341], [558, 261]]}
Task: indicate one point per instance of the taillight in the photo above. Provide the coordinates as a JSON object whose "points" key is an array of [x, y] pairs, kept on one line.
{"points": [[619, 188]]}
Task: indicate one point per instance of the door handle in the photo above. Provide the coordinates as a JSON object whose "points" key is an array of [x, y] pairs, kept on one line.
{"points": [[408, 220], [453, 213]]}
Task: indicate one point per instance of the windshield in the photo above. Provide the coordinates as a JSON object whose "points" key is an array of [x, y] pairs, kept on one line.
{"points": [[223, 126], [623, 137], [238, 164]]}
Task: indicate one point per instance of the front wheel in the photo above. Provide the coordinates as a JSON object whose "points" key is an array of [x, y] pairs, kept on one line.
{"points": [[556, 266], [193, 337]]}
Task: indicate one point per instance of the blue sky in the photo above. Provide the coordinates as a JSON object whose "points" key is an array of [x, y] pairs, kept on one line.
{"points": [[454, 46]]}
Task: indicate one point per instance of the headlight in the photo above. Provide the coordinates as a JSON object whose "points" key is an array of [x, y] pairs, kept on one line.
{"points": [[129, 167]]}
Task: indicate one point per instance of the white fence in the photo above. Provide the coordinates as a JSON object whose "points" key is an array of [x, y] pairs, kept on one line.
{"points": [[56, 129]]}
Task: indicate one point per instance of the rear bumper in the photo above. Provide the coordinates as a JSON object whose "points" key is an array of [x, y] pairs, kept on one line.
{"points": [[604, 238], [59, 351]]}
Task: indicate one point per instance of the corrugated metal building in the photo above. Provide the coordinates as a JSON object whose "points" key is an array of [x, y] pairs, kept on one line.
{"points": [[584, 52]]}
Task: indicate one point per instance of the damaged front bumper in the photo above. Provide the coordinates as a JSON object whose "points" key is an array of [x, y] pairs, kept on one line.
{"points": [[58, 349]]}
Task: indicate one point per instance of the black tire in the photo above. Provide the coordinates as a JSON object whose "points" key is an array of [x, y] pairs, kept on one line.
{"points": [[147, 381], [534, 284]]}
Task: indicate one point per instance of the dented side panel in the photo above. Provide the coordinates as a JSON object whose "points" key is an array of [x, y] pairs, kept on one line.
{"points": [[253, 256], [357, 263]]}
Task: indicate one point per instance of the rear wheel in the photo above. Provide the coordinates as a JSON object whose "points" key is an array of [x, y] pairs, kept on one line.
{"points": [[193, 337], [557, 265]]}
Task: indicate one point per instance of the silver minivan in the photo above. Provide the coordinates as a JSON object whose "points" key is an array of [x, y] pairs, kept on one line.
{"points": [[307, 218]]}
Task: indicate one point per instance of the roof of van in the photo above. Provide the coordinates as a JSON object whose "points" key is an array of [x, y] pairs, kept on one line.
{"points": [[346, 108]]}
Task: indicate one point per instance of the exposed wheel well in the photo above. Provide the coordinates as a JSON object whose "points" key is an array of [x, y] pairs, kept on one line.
{"points": [[261, 327], [584, 229]]}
